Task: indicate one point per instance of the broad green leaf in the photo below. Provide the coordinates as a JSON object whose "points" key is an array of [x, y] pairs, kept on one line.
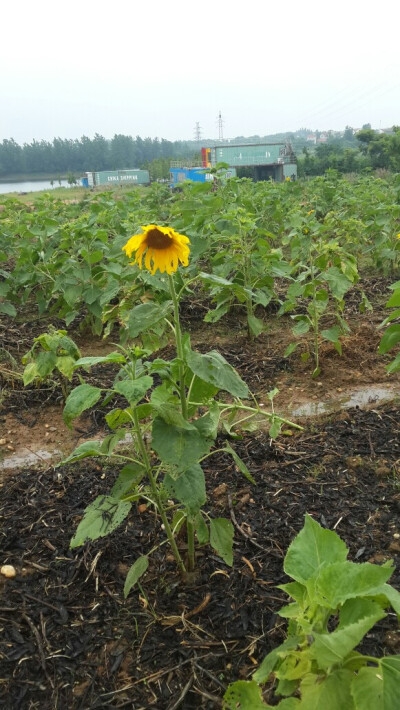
{"points": [[290, 349], [338, 282], [256, 325], [392, 597], [45, 363], [201, 529], [332, 334], [8, 308], [30, 373], [313, 547], [146, 316], [171, 415], [270, 661], [367, 689], [244, 695], [215, 370], [128, 479], [207, 425], [331, 648], [275, 427], [189, 488], [297, 591], [390, 338], [177, 446], [333, 693], [65, 364], [136, 571], [119, 417], [134, 390], [214, 280], [81, 398], [394, 300], [88, 448], [394, 366], [391, 682], [302, 326], [221, 538], [90, 361], [110, 442], [340, 581], [239, 463], [100, 518]]}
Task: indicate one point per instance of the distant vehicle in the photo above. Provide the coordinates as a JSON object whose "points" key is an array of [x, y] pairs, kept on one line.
{"points": [[116, 177]]}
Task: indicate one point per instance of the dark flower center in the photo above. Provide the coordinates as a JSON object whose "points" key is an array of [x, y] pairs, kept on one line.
{"points": [[157, 240]]}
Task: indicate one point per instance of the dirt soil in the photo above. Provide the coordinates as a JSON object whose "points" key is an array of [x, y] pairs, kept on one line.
{"points": [[68, 638]]}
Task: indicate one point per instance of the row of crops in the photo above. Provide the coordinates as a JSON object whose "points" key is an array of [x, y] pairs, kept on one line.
{"points": [[296, 248]]}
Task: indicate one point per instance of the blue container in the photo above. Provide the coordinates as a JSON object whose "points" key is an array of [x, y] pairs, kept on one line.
{"points": [[85, 182]]}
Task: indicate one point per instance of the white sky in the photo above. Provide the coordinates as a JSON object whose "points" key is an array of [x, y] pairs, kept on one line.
{"points": [[155, 68]]}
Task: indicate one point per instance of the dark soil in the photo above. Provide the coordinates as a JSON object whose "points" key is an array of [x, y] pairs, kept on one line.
{"points": [[71, 641]]}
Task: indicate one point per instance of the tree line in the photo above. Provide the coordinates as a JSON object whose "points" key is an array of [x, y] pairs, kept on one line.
{"points": [[62, 156], [346, 154]]}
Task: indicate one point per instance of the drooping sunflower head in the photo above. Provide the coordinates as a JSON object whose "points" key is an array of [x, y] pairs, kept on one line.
{"points": [[163, 248]]}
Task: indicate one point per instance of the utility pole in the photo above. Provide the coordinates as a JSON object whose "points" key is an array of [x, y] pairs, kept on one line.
{"points": [[197, 132], [220, 127]]}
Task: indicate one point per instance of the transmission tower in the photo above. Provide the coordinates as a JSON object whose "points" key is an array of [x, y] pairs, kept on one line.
{"points": [[197, 132], [220, 127]]}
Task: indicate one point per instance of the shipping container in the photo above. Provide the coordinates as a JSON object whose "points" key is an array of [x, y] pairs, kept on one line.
{"points": [[116, 177]]}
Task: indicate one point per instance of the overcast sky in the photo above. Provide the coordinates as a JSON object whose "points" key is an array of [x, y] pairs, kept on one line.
{"points": [[156, 68]]}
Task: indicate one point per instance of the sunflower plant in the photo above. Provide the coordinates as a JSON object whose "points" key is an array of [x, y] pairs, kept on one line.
{"points": [[173, 416]]}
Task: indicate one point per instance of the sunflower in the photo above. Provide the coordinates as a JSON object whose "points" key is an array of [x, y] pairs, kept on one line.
{"points": [[164, 249]]}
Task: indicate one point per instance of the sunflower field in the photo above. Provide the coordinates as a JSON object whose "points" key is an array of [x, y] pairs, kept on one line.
{"points": [[187, 378]]}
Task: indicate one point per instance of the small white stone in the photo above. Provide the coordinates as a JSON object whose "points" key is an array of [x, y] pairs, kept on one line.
{"points": [[8, 571], [396, 536]]}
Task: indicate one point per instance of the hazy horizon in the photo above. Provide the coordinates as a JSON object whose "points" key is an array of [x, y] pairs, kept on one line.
{"points": [[154, 71]]}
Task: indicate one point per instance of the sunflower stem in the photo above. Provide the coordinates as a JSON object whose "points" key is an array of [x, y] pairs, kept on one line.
{"points": [[179, 347], [156, 495]]}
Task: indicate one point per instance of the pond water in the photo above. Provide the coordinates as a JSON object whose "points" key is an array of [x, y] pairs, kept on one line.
{"points": [[31, 186]]}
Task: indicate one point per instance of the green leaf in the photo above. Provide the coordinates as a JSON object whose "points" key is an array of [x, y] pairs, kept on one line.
{"points": [[394, 300], [340, 581], [128, 479], [189, 488], [332, 334], [338, 282], [215, 370], [88, 448], [100, 518], [171, 415], [290, 349], [332, 693], [271, 660], [136, 571], [119, 417], [313, 547], [81, 398], [89, 361], [65, 364], [221, 539], [244, 695], [367, 689], [391, 682], [302, 326], [275, 428], [8, 308], [239, 463], [177, 446], [146, 316], [390, 338], [134, 390], [332, 648], [256, 326], [207, 425], [201, 529], [214, 280], [394, 366]]}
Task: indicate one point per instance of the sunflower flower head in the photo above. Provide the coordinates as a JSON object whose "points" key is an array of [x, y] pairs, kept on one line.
{"points": [[162, 248]]}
